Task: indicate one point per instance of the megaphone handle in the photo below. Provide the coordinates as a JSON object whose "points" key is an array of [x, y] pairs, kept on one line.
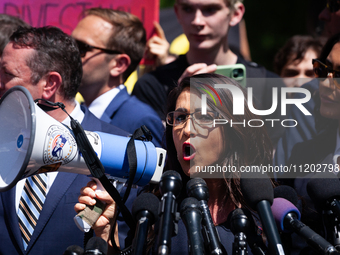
{"points": [[87, 217]]}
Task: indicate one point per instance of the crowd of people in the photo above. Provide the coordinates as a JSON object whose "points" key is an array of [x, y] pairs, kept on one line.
{"points": [[177, 99]]}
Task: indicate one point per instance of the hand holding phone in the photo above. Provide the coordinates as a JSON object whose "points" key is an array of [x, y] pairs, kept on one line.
{"points": [[236, 72]]}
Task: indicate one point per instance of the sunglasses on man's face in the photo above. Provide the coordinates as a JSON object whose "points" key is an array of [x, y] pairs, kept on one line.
{"points": [[333, 5], [322, 71], [83, 48]]}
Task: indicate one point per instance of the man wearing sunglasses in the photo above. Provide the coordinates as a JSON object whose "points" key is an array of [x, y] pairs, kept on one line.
{"points": [[330, 16], [111, 44]]}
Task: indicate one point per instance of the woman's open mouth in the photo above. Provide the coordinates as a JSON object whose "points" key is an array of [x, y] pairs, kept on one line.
{"points": [[189, 151]]}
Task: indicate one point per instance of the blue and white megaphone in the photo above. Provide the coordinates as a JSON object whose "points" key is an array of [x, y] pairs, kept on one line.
{"points": [[32, 142]]}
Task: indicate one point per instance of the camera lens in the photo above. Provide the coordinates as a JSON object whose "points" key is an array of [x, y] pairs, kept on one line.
{"points": [[237, 73]]}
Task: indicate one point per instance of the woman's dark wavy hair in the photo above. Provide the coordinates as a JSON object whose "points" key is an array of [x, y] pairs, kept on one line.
{"points": [[54, 51], [246, 145]]}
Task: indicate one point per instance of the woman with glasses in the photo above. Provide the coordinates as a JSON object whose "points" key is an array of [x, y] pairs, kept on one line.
{"points": [[195, 141], [324, 149]]}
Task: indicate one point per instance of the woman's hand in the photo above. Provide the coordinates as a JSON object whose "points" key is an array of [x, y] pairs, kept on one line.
{"points": [[106, 221], [197, 69]]}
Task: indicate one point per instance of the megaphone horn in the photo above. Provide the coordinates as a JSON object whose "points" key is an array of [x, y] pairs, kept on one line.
{"points": [[32, 142]]}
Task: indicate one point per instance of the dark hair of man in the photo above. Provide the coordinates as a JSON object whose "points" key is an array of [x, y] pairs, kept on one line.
{"points": [[295, 49], [8, 24], [54, 51], [246, 145], [128, 35]]}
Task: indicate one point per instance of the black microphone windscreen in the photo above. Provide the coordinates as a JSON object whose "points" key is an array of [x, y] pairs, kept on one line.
{"points": [[171, 181], [96, 245], [74, 250], [196, 182], [146, 201], [323, 187], [236, 213], [255, 189], [286, 192], [197, 188], [189, 202], [239, 222]]}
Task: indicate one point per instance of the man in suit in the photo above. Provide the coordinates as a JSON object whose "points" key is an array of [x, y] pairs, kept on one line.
{"points": [[47, 62], [112, 44]]}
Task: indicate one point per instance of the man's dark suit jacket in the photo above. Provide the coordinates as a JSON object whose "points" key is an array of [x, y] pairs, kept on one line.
{"points": [[129, 113], [55, 230]]}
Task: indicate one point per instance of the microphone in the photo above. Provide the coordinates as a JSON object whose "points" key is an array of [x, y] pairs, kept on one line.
{"points": [[170, 187], [239, 225], [198, 189], [258, 194], [286, 192], [145, 211], [324, 190], [192, 218], [74, 250], [96, 246], [289, 193], [241, 220], [287, 218]]}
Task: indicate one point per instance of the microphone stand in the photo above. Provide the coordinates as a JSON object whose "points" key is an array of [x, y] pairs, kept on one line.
{"points": [[332, 225], [240, 244]]}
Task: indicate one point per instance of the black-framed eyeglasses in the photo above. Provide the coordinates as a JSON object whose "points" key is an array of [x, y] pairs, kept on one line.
{"points": [[333, 5], [322, 71], [84, 47], [177, 118]]}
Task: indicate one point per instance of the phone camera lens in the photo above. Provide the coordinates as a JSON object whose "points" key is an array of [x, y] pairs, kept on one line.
{"points": [[237, 73]]}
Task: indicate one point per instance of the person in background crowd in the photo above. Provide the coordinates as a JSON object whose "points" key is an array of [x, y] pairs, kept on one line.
{"points": [[324, 148], [293, 62], [8, 24], [111, 45], [206, 25], [306, 130]]}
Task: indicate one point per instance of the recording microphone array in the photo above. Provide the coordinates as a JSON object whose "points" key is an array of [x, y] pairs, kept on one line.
{"points": [[276, 208], [258, 194], [287, 218]]}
